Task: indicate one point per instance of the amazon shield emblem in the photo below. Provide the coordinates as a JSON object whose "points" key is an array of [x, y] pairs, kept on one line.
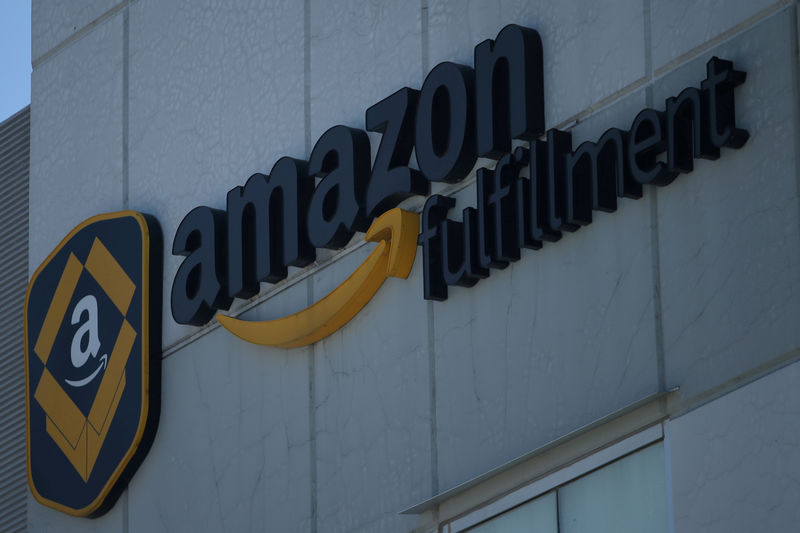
{"points": [[93, 361]]}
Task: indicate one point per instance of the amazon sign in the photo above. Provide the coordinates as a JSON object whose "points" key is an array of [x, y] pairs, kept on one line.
{"points": [[459, 114]]}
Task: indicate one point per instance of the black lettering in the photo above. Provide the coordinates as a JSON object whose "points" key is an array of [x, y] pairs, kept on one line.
{"points": [[445, 124], [276, 221], [484, 186], [540, 186], [452, 248], [721, 78], [266, 222], [645, 142], [341, 158], [457, 238], [509, 90], [559, 144], [472, 242], [199, 285], [504, 209], [392, 181], [596, 174], [687, 133], [530, 204], [433, 213], [581, 172]]}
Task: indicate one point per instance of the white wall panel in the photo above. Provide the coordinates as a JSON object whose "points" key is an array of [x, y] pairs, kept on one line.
{"points": [[729, 232], [76, 137], [216, 94], [678, 26], [736, 460], [590, 49], [232, 448], [53, 21], [372, 408]]}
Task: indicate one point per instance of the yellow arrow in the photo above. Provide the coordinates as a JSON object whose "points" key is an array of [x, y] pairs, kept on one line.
{"points": [[395, 231]]}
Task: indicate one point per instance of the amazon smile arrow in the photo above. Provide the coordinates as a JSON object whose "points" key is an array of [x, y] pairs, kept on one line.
{"points": [[395, 231]]}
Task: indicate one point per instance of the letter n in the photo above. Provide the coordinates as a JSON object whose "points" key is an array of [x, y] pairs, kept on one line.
{"points": [[509, 90]]}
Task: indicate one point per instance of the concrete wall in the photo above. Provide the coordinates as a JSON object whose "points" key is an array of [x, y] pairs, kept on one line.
{"points": [[162, 106], [736, 460]]}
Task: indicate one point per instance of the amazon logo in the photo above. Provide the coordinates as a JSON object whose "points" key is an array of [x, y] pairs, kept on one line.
{"points": [[92, 361], [280, 219], [539, 188]]}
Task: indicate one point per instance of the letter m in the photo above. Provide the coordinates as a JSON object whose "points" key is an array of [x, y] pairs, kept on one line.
{"points": [[267, 227]]}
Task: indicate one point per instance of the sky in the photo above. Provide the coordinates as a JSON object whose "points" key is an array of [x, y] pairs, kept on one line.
{"points": [[15, 56]]}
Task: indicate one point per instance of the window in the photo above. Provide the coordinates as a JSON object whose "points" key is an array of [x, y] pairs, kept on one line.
{"points": [[626, 496], [620, 490], [539, 515]]}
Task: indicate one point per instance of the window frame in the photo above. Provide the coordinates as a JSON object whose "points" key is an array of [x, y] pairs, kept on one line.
{"points": [[549, 482]]}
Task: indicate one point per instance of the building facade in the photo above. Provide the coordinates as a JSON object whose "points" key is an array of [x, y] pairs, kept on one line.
{"points": [[639, 374]]}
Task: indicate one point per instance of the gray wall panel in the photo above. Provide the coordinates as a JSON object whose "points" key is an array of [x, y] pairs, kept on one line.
{"points": [[736, 461], [729, 232], [55, 21]]}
